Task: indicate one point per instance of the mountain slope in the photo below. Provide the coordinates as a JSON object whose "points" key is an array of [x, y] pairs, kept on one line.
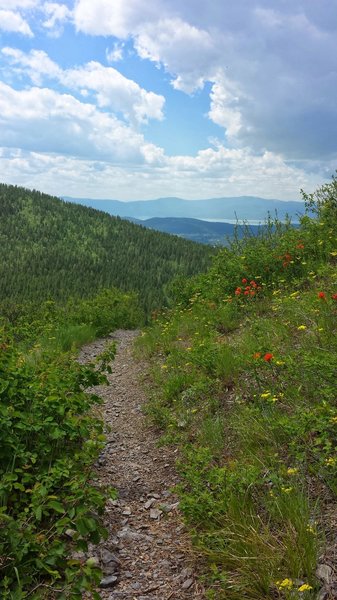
{"points": [[53, 249], [243, 207]]}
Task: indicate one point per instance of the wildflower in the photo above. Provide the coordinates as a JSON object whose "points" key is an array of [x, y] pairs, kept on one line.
{"points": [[311, 529], [246, 292], [286, 490], [334, 296], [321, 295], [292, 471], [280, 363], [305, 587], [244, 280], [238, 291], [300, 246], [301, 327], [257, 355], [331, 461], [265, 395], [333, 420], [285, 584], [268, 356]]}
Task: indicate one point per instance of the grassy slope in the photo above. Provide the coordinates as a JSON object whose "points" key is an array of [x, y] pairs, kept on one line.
{"points": [[244, 370]]}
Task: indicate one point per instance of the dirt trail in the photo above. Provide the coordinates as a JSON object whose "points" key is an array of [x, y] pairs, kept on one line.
{"points": [[147, 555]]}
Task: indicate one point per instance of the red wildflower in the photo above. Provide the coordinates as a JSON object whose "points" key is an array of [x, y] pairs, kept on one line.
{"points": [[238, 291], [321, 295], [268, 356], [252, 293], [253, 284], [244, 280], [334, 296], [246, 292], [300, 246]]}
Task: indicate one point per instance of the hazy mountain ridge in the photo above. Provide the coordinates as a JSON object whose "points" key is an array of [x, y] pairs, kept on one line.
{"points": [[196, 230], [241, 207]]}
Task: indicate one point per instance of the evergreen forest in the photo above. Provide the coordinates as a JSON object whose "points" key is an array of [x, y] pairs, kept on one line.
{"points": [[55, 250]]}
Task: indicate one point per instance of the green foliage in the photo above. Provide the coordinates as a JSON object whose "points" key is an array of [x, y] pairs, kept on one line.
{"points": [[48, 444], [244, 369], [50, 249]]}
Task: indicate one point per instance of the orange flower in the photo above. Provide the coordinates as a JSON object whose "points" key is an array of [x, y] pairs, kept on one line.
{"points": [[257, 355]]}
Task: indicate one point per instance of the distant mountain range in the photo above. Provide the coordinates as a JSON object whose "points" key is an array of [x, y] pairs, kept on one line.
{"points": [[250, 208], [196, 230]]}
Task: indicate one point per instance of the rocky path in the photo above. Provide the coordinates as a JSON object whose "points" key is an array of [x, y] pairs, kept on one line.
{"points": [[147, 555]]}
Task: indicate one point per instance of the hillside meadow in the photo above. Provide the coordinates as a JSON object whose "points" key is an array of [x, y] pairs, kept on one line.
{"points": [[243, 381], [242, 372]]}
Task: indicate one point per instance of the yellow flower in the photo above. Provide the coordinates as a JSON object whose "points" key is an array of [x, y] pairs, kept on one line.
{"points": [[305, 587], [334, 253], [292, 471], [286, 490], [285, 584], [301, 327], [331, 461], [265, 395], [333, 420]]}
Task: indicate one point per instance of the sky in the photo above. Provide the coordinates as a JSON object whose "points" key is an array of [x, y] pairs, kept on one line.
{"points": [[140, 99]]}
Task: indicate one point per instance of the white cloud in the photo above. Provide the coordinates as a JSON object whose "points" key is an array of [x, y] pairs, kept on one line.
{"points": [[118, 18], [184, 50], [115, 53], [36, 65], [283, 61], [13, 22], [43, 120], [57, 16], [224, 101], [19, 4], [116, 92], [112, 89]]}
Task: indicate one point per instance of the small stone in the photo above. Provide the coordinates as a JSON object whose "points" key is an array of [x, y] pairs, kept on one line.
{"points": [[108, 557], [108, 582], [127, 511], [156, 496], [187, 584], [324, 573], [155, 513], [149, 503], [136, 586]]}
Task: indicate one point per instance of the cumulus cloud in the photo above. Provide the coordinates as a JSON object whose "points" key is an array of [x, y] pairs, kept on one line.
{"points": [[13, 22], [40, 119], [282, 60], [111, 88], [214, 174], [57, 15]]}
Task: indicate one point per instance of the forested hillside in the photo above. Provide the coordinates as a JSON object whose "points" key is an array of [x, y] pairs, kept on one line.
{"points": [[53, 249]]}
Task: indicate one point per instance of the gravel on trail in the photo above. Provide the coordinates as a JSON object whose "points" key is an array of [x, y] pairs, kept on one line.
{"points": [[147, 555]]}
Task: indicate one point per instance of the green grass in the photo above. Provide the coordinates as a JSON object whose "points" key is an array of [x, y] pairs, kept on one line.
{"points": [[244, 371]]}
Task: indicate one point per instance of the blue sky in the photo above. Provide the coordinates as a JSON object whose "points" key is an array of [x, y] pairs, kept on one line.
{"points": [[137, 99]]}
